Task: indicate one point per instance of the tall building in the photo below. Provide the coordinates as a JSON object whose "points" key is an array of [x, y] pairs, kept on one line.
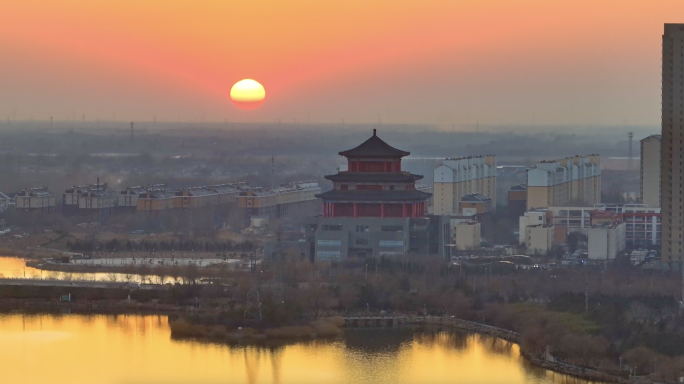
{"points": [[650, 171], [373, 210], [573, 181], [458, 177], [672, 153]]}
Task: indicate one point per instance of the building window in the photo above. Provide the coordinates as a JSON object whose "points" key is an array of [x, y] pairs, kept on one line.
{"points": [[331, 227], [392, 228], [387, 253], [344, 187], [361, 228], [362, 241], [391, 243], [329, 243], [328, 255]]}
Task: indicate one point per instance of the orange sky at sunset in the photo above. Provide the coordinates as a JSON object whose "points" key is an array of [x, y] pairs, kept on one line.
{"points": [[444, 62]]}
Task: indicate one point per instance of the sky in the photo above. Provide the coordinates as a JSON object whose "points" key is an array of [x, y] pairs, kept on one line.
{"points": [[445, 62]]}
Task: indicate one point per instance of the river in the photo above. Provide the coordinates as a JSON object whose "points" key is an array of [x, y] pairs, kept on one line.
{"points": [[136, 349]]}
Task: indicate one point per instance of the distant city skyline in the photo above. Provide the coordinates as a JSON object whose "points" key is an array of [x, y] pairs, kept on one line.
{"points": [[437, 62]]}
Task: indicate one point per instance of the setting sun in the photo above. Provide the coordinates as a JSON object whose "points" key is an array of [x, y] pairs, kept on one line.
{"points": [[247, 94]]}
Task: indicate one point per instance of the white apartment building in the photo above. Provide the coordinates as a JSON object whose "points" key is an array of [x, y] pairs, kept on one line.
{"points": [[606, 241], [573, 181], [458, 177]]}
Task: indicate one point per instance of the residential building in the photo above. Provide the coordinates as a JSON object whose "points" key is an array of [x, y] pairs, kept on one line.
{"points": [[5, 202], [288, 200], [606, 240], [475, 203], [196, 197], [373, 207], [650, 170], [35, 200], [458, 177], [97, 197], [155, 200], [573, 181], [70, 198], [672, 153], [128, 198]]}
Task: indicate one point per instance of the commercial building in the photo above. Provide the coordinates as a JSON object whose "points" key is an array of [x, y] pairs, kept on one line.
{"points": [[35, 200], [517, 199], [650, 170], [466, 234], [642, 223], [573, 181], [606, 240], [672, 153], [458, 177], [373, 209]]}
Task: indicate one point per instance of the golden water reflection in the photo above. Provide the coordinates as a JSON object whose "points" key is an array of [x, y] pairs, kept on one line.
{"points": [[132, 349]]}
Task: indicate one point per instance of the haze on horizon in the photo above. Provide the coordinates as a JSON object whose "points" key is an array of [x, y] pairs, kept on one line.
{"points": [[435, 62]]}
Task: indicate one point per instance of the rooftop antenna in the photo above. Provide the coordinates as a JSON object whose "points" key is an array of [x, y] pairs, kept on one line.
{"points": [[83, 118], [477, 126], [630, 158], [131, 131], [50, 122], [154, 119]]}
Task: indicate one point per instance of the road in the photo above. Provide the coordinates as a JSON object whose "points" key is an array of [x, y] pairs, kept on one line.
{"points": [[78, 284]]}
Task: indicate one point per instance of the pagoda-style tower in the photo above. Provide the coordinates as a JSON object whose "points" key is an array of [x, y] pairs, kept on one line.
{"points": [[374, 185]]}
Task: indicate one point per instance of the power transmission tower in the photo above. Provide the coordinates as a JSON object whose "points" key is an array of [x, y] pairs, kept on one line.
{"points": [[253, 303]]}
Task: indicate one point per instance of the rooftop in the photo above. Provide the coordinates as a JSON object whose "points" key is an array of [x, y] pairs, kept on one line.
{"points": [[374, 147], [381, 177], [475, 197], [374, 196]]}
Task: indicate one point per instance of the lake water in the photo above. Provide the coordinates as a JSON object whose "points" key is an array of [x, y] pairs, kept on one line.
{"points": [[135, 349]]}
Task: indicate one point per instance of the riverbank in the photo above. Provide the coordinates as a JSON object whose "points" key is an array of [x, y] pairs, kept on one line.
{"points": [[325, 328], [514, 337]]}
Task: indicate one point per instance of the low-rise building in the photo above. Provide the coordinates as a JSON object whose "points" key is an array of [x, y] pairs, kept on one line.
{"points": [[97, 197], [196, 197], [128, 198], [606, 241], [5, 202], [466, 234], [35, 200], [475, 204], [292, 199], [156, 200]]}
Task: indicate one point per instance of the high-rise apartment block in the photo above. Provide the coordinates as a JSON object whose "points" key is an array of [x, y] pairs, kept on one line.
{"points": [[672, 152], [459, 177], [650, 171], [573, 181]]}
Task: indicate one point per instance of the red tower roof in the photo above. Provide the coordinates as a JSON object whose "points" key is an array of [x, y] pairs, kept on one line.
{"points": [[374, 147]]}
